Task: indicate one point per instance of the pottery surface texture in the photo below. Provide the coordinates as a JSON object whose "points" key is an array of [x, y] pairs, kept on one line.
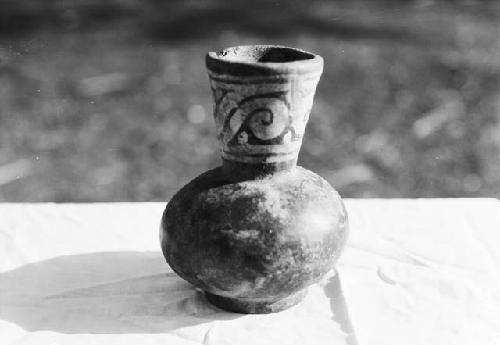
{"points": [[257, 231]]}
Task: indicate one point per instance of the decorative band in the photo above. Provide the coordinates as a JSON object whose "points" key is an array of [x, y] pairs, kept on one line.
{"points": [[279, 79], [268, 157]]}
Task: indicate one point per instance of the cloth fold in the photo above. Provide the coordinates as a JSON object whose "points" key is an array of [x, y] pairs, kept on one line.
{"points": [[421, 271]]}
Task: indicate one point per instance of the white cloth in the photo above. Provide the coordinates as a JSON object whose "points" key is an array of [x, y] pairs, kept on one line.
{"points": [[414, 272], [424, 271]]}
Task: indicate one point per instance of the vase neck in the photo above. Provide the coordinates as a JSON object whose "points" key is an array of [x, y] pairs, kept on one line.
{"points": [[237, 171]]}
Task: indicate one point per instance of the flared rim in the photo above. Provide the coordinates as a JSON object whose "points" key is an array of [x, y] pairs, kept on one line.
{"points": [[263, 60]]}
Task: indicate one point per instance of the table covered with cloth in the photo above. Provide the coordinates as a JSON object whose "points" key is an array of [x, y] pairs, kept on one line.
{"points": [[419, 271]]}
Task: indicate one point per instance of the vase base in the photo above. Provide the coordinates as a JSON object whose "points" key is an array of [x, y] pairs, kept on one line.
{"points": [[251, 307]]}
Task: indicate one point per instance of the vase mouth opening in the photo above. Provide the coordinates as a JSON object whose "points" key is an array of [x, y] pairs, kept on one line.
{"points": [[263, 54], [261, 60]]}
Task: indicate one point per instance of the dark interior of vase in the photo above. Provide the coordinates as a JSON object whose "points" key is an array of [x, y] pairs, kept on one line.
{"points": [[264, 54]]}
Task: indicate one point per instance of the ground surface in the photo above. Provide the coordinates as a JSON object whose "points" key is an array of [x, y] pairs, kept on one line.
{"points": [[110, 101]]}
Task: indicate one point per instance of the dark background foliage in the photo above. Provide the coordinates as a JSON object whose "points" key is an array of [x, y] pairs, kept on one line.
{"points": [[109, 100]]}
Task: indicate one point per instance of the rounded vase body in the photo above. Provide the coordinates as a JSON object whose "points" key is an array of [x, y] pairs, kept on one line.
{"points": [[257, 231]]}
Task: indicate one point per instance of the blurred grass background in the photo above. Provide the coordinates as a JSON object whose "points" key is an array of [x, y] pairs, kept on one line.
{"points": [[109, 100]]}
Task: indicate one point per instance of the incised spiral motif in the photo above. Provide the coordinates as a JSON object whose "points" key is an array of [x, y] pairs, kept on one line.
{"points": [[262, 120]]}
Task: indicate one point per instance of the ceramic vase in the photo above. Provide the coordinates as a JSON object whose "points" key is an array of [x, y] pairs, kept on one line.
{"points": [[254, 233]]}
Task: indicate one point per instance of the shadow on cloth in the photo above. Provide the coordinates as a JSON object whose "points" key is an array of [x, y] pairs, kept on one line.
{"points": [[103, 293]]}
